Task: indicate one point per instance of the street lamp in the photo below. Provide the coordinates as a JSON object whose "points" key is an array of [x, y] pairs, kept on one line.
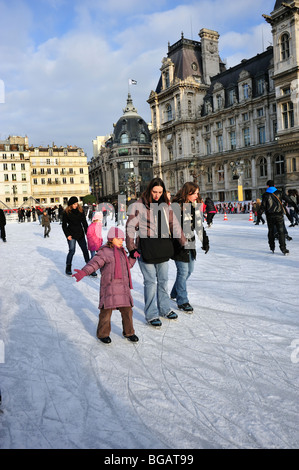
{"points": [[98, 189], [134, 183]]}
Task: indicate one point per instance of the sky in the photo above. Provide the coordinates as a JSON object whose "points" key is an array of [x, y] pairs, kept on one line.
{"points": [[65, 65]]}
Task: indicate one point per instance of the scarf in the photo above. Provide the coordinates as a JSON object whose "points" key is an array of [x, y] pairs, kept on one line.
{"points": [[271, 189], [117, 271]]}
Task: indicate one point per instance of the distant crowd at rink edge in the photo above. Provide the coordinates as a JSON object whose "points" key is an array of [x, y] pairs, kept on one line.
{"points": [[241, 207]]}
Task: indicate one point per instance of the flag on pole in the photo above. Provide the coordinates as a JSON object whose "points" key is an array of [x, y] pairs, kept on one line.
{"points": [[132, 82]]}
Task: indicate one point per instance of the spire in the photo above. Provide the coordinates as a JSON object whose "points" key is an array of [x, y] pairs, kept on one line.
{"points": [[130, 109]]}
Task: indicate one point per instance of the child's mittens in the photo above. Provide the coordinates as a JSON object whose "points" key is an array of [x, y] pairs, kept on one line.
{"points": [[79, 274]]}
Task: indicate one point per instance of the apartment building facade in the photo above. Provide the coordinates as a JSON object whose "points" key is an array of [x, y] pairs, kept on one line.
{"points": [[57, 173], [40, 175], [229, 130], [15, 172]]}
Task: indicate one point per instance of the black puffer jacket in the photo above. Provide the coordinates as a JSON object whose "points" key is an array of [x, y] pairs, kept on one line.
{"points": [[149, 228], [74, 223], [272, 202], [210, 205]]}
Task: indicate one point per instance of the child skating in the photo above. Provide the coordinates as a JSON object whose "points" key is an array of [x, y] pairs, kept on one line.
{"points": [[46, 223], [94, 234], [116, 285]]}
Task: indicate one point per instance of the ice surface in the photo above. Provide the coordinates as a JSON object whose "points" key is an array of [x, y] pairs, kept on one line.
{"points": [[226, 376]]}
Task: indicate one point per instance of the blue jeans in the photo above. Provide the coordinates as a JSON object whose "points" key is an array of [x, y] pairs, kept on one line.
{"points": [[72, 249], [294, 215], [155, 281], [184, 271]]}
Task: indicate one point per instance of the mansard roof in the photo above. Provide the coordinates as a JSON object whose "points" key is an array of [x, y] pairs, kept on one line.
{"points": [[186, 56], [184, 53], [279, 3], [256, 67]]}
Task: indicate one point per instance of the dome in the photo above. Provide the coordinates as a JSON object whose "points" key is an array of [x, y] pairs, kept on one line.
{"points": [[131, 127]]}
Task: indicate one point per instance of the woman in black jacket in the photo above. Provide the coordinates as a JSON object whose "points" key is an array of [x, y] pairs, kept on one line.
{"points": [[210, 211], [150, 226], [188, 201], [75, 226]]}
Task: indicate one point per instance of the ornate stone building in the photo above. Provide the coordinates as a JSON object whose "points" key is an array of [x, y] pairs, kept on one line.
{"points": [[123, 162], [229, 130]]}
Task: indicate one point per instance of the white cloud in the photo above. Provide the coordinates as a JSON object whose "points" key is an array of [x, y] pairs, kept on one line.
{"points": [[73, 86], [237, 46]]}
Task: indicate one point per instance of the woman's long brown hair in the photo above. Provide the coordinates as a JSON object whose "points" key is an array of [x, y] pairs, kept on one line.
{"points": [[69, 208], [182, 195], [147, 196]]}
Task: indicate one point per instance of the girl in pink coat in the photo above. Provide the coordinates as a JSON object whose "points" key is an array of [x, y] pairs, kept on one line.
{"points": [[94, 234], [116, 284]]}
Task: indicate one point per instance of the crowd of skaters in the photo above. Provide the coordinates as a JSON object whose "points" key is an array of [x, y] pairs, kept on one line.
{"points": [[145, 242], [152, 252], [34, 213], [245, 207]]}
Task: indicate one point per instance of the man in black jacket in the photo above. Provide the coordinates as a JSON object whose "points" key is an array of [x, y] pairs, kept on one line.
{"points": [[272, 206], [2, 225]]}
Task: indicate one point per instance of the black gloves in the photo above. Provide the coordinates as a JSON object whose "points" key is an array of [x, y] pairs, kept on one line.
{"points": [[134, 254], [205, 242]]}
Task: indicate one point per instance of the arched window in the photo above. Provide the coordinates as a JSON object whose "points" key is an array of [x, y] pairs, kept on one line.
{"points": [[285, 46], [220, 173], [288, 114], [169, 112], [245, 91], [219, 101], [167, 81], [142, 137], [294, 164], [263, 166], [124, 138], [279, 165]]}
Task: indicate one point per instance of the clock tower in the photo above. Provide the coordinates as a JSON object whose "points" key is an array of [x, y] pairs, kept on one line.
{"points": [[210, 54]]}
